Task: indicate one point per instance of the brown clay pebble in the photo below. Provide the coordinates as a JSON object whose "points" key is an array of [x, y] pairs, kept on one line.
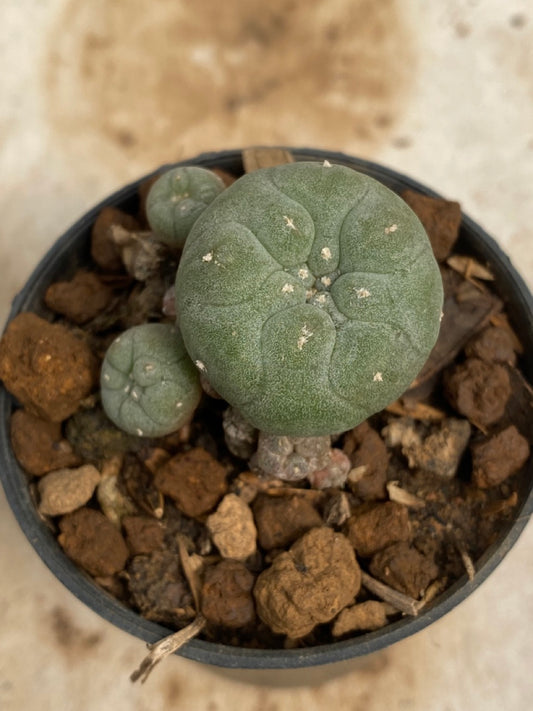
{"points": [[370, 458], [373, 527], [227, 595], [194, 479], [441, 220], [403, 568], [143, 534], [80, 299], [365, 617], [478, 390], [39, 445], [46, 367], [66, 490], [494, 344], [497, 458], [441, 451], [159, 589], [309, 584], [104, 251], [93, 542], [281, 520]]}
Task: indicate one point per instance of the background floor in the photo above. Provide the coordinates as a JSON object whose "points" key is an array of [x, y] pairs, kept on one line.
{"points": [[95, 94]]}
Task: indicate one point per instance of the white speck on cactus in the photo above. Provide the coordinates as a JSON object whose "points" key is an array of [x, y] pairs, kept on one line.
{"points": [[303, 273], [326, 280], [106, 377], [289, 222], [326, 164], [178, 405], [127, 388], [325, 253], [135, 395], [149, 367], [139, 432], [305, 336], [321, 298], [287, 289], [362, 293], [378, 377], [390, 229], [208, 257], [310, 293], [441, 315], [201, 366]]}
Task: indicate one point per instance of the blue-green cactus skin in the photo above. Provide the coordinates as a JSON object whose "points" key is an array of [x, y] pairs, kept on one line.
{"points": [[149, 386], [176, 200], [309, 296]]}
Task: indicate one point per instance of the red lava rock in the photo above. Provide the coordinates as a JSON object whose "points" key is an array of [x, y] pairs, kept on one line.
{"points": [[39, 445], [104, 251], [143, 534], [309, 584], [159, 589], [194, 479], [46, 367], [497, 458], [373, 527], [80, 299], [280, 520], [441, 220], [478, 390], [403, 568], [227, 595], [91, 541], [494, 345], [370, 459]]}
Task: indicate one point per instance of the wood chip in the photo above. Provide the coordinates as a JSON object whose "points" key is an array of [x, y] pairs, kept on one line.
{"points": [[192, 565], [401, 496], [469, 268], [264, 157], [416, 410]]}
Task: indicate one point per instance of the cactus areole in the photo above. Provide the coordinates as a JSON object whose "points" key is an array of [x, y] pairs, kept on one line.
{"points": [[309, 297]]}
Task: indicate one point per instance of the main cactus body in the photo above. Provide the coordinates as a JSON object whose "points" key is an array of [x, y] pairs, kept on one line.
{"points": [[309, 296]]}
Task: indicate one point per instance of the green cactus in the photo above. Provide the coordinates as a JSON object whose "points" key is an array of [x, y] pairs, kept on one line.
{"points": [[176, 200], [309, 296], [149, 386]]}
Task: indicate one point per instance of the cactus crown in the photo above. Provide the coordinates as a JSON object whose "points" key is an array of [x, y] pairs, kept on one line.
{"points": [[309, 296]]}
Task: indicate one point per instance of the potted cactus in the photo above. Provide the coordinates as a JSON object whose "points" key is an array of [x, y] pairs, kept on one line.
{"points": [[231, 485]]}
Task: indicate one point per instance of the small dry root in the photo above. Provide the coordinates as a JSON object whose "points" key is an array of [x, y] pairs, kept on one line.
{"points": [[165, 647]]}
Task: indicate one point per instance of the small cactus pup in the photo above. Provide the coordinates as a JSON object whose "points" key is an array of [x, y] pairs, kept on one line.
{"points": [[177, 198], [149, 386], [309, 297]]}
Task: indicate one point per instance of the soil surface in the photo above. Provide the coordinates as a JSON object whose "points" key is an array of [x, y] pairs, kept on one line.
{"points": [[186, 524]]}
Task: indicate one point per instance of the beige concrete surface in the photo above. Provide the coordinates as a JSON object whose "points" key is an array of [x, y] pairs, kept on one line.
{"points": [[93, 94]]}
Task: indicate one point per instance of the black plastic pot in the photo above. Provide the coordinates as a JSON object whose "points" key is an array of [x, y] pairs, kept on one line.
{"points": [[71, 250]]}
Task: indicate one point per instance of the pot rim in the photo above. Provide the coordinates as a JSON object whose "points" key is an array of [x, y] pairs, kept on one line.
{"points": [[518, 299]]}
